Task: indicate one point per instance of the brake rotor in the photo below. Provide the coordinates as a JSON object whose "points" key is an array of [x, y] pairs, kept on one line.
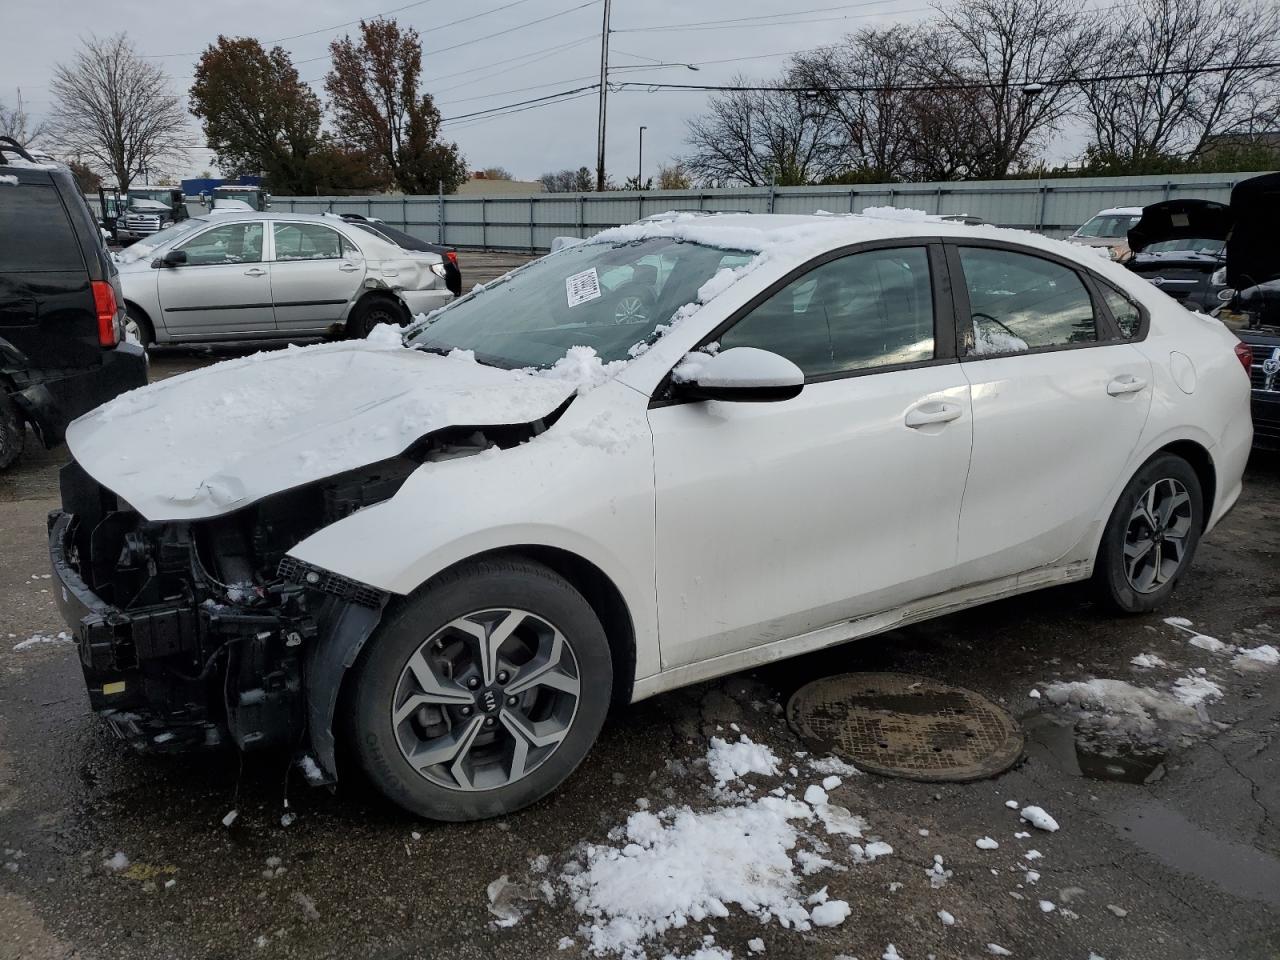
{"points": [[900, 725]]}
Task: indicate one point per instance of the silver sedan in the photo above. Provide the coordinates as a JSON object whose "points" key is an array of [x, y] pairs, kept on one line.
{"points": [[248, 275]]}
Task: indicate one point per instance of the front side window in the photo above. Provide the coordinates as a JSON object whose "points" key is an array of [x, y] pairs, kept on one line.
{"points": [[229, 243], [866, 310], [1110, 226], [1125, 312], [1021, 302], [306, 241], [532, 316]]}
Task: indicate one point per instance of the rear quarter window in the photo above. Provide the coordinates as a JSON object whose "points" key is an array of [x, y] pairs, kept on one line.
{"points": [[36, 235]]}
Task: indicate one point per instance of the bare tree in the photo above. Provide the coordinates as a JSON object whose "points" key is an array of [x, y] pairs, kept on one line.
{"points": [[995, 49], [1177, 109], [756, 137], [114, 111], [582, 180], [875, 129], [16, 122]]}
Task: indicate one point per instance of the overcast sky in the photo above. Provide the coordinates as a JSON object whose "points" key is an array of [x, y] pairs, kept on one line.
{"points": [[466, 73]]}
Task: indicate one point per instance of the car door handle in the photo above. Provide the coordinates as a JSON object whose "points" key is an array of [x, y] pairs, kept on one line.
{"points": [[255, 272], [1126, 384], [932, 411], [348, 267]]}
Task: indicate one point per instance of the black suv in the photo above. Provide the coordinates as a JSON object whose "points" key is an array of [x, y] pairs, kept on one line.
{"points": [[61, 307]]}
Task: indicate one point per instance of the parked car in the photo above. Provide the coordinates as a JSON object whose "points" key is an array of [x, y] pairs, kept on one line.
{"points": [[1233, 270], [454, 557], [1108, 228], [61, 314], [248, 275], [406, 241]]}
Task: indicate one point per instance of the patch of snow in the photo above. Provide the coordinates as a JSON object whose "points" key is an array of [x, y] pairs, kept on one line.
{"points": [[755, 945], [901, 214], [870, 852], [1147, 661], [1039, 819], [1012, 804], [1193, 691], [1034, 694], [117, 862], [1212, 644], [832, 913], [565, 943], [1256, 658], [833, 766], [815, 795], [1047, 906], [890, 953], [386, 336], [311, 770], [1032, 876], [1127, 708], [947, 919], [230, 818], [41, 639], [830, 783], [9, 179], [731, 761], [1021, 835], [999, 951], [986, 843], [1033, 855], [582, 367]]}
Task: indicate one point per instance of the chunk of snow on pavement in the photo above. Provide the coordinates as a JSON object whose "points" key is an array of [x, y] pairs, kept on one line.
{"points": [[815, 795], [830, 783], [730, 761], [230, 818], [870, 852], [40, 639], [1039, 819], [890, 953], [837, 820], [1047, 906], [1256, 657], [504, 897], [1193, 691], [998, 950], [117, 861], [1033, 855], [1021, 835], [1147, 660], [1212, 644], [755, 945], [1032, 876], [1034, 694], [1011, 804], [565, 943], [833, 766], [386, 336], [829, 914], [1177, 621], [1129, 708], [986, 843], [311, 770], [704, 952], [947, 919]]}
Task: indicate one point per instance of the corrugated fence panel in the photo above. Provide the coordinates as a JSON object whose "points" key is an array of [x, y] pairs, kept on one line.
{"points": [[1055, 207]]}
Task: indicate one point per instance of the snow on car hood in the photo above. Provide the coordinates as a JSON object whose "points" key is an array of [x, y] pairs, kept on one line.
{"points": [[214, 440]]}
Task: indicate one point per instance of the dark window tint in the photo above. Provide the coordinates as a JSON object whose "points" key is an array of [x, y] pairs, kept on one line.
{"points": [[401, 239], [1127, 316], [36, 235], [1020, 302], [230, 243], [306, 241], [866, 310]]}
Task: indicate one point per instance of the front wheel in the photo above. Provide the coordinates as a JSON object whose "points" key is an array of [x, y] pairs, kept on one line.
{"points": [[1151, 536], [482, 693]]}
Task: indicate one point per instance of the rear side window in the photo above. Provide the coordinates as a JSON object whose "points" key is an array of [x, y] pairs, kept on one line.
{"points": [[1126, 313], [36, 235], [1020, 302], [307, 241]]}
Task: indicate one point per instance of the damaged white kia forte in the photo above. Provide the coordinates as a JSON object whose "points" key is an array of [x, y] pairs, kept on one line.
{"points": [[677, 450]]}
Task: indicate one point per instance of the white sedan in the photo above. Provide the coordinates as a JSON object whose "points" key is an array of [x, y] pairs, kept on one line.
{"points": [[237, 274], [457, 555]]}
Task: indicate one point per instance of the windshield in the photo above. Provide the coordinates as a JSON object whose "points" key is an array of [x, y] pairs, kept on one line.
{"points": [[607, 296], [248, 196], [163, 197], [1196, 244], [148, 245], [1109, 226]]}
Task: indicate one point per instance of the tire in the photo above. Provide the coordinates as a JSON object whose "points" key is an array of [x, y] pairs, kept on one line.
{"points": [[13, 431], [1137, 580], [557, 645], [141, 326], [370, 312]]}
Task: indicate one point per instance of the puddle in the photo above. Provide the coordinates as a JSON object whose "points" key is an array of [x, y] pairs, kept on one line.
{"points": [[1061, 745], [1171, 838]]}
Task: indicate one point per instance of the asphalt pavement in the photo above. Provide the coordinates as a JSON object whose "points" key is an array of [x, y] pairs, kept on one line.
{"points": [[1184, 865]]}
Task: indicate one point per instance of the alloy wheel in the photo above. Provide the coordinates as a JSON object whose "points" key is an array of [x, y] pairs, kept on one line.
{"points": [[1156, 538], [630, 309], [486, 699]]}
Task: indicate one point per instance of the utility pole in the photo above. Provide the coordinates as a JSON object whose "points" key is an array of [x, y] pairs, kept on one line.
{"points": [[604, 96], [640, 161]]}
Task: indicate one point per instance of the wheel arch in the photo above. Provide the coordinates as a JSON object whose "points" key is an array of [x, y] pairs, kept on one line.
{"points": [[1201, 462], [372, 294], [143, 313]]}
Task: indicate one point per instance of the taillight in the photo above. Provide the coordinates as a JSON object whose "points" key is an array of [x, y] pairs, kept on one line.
{"points": [[453, 257], [1245, 356], [104, 304]]}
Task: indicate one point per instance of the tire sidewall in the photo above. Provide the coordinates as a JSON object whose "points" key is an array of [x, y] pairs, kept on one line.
{"points": [[13, 432], [1110, 567], [407, 626], [366, 315]]}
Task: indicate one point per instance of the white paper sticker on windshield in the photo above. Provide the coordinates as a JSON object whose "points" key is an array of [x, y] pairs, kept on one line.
{"points": [[582, 287]]}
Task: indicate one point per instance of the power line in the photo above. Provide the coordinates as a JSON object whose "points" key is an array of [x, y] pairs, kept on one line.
{"points": [[521, 103], [762, 16], [520, 26], [479, 120]]}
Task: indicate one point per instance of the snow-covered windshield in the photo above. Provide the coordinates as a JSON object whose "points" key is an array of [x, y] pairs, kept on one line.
{"points": [[1109, 226], [607, 296], [150, 244]]}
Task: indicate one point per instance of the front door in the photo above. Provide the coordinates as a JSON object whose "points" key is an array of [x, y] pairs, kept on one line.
{"points": [[775, 519], [224, 288], [315, 273], [1059, 403]]}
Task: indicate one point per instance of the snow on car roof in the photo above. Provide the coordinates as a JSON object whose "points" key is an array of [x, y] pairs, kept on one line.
{"points": [[1119, 212]]}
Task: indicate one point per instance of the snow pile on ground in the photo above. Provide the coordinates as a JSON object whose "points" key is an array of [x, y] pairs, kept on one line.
{"points": [[1197, 639], [730, 761], [663, 870], [833, 766], [1147, 660], [40, 639], [1121, 707], [1037, 817], [1193, 691], [1256, 658]]}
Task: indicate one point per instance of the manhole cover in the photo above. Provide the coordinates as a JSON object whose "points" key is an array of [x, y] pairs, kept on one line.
{"points": [[904, 726]]}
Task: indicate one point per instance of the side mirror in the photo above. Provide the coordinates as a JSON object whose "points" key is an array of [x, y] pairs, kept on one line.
{"points": [[174, 258], [743, 374]]}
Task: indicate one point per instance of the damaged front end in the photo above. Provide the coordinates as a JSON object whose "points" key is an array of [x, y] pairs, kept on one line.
{"points": [[198, 633]]}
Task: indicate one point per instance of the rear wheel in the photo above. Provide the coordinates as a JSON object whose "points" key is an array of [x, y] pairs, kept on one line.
{"points": [[137, 328], [370, 312], [13, 432], [1152, 535], [481, 694]]}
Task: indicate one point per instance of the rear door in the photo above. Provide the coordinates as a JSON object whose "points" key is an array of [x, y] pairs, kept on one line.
{"points": [[1059, 402], [47, 314], [224, 288], [315, 273]]}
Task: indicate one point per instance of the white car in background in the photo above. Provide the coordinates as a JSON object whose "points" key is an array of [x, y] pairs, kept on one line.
{"points": [[238, 274], [1108, 229], [456, 550]]}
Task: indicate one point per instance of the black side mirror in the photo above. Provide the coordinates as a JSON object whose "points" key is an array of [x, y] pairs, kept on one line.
{"points": [[174, 258]]}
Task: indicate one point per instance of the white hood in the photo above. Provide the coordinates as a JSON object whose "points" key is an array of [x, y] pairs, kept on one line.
{"points": [[214, 440]]}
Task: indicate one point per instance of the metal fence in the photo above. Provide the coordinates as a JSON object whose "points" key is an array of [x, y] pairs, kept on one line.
{"points": [[1053, 207]]}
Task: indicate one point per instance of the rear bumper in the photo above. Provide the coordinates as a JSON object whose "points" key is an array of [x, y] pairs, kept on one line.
{"points": [[424, 301], [52, 404]]}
